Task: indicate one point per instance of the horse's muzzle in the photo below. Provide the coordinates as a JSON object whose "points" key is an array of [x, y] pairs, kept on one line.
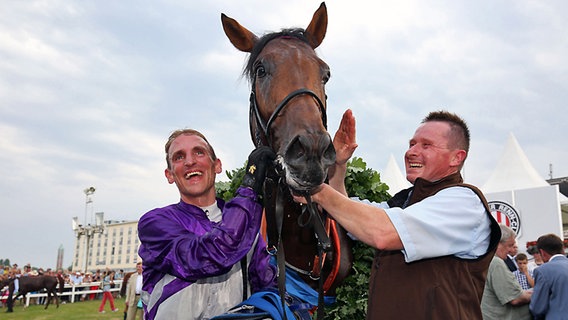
{"points": [[306, 160]]}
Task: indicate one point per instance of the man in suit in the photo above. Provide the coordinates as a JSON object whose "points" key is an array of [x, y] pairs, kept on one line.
{"points": [[510, 260], [551, 280], [133, 290]]}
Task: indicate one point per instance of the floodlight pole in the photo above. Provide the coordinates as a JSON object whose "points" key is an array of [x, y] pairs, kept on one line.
{"points": [[87, 229]]}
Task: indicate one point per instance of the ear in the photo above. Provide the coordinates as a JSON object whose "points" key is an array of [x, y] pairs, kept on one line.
{"points": [[239, 36], [458, 158], [218, 166], [169, 176], [315, 32]]}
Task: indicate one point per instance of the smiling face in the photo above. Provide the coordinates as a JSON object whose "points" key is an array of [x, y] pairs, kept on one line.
{"points": [[431, 154], [193, 169]]}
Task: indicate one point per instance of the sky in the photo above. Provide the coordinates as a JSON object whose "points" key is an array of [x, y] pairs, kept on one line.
{"points": [[90, 91]]}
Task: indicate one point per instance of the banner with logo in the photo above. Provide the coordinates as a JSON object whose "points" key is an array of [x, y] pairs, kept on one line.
{"points": [[529, 212]]}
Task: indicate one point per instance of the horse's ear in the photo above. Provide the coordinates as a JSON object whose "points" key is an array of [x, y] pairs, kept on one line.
{"points": [[315, 32], [239, 36]]}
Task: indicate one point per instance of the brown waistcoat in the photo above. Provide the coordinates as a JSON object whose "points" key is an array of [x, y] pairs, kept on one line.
{"points": [[438, 288]]}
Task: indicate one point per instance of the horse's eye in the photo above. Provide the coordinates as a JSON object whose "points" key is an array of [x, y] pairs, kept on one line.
{"points": [[326, 76], [260, 71]]}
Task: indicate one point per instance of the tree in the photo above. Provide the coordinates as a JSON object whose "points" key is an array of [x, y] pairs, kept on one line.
{"points": [[361, 182], [5, 262]]}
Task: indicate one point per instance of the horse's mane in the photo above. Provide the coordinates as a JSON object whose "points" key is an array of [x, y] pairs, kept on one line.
{"points": [[297, 33]]}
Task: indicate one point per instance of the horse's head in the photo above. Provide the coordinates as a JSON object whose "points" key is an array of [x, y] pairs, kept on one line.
{"points": [[288, 100]]}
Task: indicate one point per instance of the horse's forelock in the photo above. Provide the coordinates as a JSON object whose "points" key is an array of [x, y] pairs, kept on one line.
{"points": [[297, 33]]}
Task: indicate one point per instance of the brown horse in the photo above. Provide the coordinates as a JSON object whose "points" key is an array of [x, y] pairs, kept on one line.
{"points": [[34, 283], [288, 113]]}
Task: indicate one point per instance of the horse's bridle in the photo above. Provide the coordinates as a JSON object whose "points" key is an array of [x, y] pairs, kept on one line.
{"points": [[265, 126], [313, 219], [277, 186]]}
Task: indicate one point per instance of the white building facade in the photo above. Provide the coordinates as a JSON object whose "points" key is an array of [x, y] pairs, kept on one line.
{"points": [[115, 248]]}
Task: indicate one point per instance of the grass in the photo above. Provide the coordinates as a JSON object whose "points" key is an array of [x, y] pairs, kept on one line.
{"points": [[86, 310]]}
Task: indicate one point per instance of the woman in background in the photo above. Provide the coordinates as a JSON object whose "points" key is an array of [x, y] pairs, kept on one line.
{"points": [[108, 280]]}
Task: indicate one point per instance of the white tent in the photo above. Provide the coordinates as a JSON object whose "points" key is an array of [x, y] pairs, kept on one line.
{"points": [[513, 171], [393, 177], [521, 198]]}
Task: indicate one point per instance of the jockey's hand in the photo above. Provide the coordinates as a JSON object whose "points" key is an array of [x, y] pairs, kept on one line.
{"points": [[258, 161], [344, 140]]}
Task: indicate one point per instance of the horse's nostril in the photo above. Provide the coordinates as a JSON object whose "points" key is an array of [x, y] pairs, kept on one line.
{"points": [[329, 155], [328, 151], [296, 150], [310, 152]]}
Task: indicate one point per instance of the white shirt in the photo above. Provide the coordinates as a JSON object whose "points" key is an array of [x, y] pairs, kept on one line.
{"points": [[451, 222], [139, 284]]}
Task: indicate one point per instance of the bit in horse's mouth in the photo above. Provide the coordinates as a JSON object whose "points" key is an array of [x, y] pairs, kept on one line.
{"points": [[301, 188], [296, 184], [305, 192]]}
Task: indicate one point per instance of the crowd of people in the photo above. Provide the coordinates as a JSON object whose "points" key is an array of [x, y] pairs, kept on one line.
{"points": [[523, 289], [72, 278], [101, 279]]}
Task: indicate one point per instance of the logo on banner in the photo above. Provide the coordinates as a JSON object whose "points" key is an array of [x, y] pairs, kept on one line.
{"points": [[504, 213]]}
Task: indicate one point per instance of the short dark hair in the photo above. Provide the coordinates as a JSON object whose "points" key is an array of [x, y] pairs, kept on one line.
{"points": [[521, 256], [187, 132], [459, 131], [551, 244], [532, 250]]}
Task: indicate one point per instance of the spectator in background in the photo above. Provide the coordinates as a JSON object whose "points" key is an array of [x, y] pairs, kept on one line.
{"points": [[76, 281], [133, 291], [550, 296], [95, 284], [523, 275], [536, 258], [503, 297], [108, 281], [87, 279], [97, 276], [510, 259], [15, 274], [76, 278], [27, 270], [65, 276]]}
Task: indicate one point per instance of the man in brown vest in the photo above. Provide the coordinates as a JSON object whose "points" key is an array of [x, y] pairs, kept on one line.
{"points": [[434, 240]]}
